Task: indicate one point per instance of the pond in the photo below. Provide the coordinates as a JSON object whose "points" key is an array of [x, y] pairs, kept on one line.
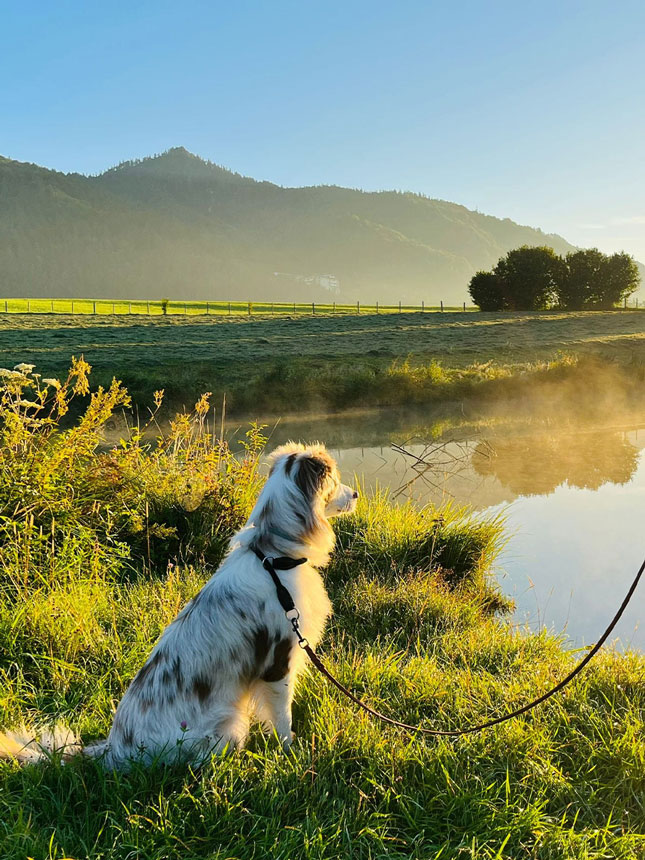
{"points": [[572, 493]]}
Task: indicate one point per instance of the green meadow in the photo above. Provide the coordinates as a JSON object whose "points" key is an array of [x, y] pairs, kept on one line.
{"points": [[165, 307], [268, 364], [100, 548]]}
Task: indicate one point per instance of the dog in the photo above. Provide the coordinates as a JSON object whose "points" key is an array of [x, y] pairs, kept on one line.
{"points": [[231, 653]]}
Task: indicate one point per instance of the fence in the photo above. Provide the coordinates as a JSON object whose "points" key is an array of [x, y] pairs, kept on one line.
{"points": [[103, 307]]}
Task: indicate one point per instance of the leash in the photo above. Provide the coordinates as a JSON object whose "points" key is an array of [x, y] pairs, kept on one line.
{"points": [[292, 614]]}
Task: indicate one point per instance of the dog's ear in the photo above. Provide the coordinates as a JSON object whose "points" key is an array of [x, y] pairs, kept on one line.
{"points": [[286, 454], [311, 475]]}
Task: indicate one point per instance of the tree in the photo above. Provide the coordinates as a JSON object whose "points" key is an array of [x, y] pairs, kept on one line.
{"points": [[592, 279], [487, 292], [621, 279], [530, 277], [582, 278]]}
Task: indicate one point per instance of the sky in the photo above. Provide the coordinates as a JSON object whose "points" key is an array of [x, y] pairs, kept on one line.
{"points": [[531, 111]]}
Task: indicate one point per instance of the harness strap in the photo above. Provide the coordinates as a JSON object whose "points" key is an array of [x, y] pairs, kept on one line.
{"points": [[286, 601], [282, 562]]}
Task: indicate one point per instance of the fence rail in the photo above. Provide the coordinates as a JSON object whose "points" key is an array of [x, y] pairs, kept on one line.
{"points": [[157, 308], [103, 307]]}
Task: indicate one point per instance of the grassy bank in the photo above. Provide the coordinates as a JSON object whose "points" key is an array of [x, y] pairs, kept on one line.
{"points": [[268, 365], [98, 550], [302, 386]]}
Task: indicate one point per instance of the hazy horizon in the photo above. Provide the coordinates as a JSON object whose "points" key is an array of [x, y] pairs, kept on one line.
{"points": [[532, 115]]}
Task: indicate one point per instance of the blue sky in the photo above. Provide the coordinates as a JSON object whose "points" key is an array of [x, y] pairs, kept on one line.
{"points": [[533, 111]]}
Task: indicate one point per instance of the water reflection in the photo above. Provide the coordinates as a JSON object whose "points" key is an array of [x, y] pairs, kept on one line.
{"points": [[536, 465], [574, 502]]}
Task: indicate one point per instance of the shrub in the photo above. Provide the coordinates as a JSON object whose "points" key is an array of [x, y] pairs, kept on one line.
{"points": [[176, 496]]}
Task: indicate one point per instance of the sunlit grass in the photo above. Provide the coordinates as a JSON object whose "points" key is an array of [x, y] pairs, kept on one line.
{"points": [[98, 557], [157, 307]]}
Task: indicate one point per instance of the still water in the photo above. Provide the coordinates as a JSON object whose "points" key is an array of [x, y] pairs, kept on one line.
{"points": [[572, 493]]}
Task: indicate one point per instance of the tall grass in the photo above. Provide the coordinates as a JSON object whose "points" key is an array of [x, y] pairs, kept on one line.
{"points": [[100, 548], [297, 384]]}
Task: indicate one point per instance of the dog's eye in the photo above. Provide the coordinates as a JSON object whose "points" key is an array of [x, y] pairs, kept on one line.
{"points": [[329, 495]]}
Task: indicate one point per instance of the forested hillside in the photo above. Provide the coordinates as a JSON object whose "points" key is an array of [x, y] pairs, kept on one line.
{"points": [[177, 226]]}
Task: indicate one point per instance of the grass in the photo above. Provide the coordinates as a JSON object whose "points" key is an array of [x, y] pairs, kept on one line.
{"points": [[97, 555], [275, 365], [139, 307]]}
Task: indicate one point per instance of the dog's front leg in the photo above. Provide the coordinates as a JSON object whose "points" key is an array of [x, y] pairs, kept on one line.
{"points": [[275, 700]]}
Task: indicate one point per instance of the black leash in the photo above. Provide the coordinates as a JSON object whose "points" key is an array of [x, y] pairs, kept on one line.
{"points": [[286, 601]]}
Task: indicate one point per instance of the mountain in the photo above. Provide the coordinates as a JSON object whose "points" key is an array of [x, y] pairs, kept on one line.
{"points": [[177, 226]]}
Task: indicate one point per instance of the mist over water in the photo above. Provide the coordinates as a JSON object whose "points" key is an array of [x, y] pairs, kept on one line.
{"points": [[571, 487]]}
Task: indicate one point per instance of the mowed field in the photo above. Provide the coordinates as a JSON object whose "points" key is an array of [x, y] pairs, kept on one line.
{"points": [[121, 343]]}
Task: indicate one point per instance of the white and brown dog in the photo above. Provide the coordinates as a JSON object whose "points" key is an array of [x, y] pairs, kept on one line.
{"points": [[231, 653]]}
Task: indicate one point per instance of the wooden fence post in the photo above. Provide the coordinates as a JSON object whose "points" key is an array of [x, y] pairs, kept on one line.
{"points": [[377, 307], [399, 306], [334, 311], [358, 307], [442, 306], [464, 306], [423, 306], [313, 308], [294, 308]]}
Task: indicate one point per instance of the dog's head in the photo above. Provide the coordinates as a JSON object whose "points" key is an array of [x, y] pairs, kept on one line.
{"points": [[314, 472], [303, 490]]}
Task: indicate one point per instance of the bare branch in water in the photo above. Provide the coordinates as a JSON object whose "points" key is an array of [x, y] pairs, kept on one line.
{"points": [[450, 457]]}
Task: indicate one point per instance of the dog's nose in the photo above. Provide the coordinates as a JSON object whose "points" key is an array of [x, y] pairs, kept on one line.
{"points": [[355, 494]]}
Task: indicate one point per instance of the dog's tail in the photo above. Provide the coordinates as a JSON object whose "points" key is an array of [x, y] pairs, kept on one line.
{"points": [[28, 746]]}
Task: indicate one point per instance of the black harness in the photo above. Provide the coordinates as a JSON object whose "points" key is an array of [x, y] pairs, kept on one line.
{"points": [[283, 562]]}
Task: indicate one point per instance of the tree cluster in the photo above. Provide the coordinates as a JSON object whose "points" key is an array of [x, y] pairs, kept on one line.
{"points": [[533, 279]]}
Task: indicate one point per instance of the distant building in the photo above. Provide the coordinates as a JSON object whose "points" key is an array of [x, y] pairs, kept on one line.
{"points": [[328, 282]]}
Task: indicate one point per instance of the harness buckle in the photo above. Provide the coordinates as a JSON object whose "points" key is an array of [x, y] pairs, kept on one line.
{"points": [[293, 615]]}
